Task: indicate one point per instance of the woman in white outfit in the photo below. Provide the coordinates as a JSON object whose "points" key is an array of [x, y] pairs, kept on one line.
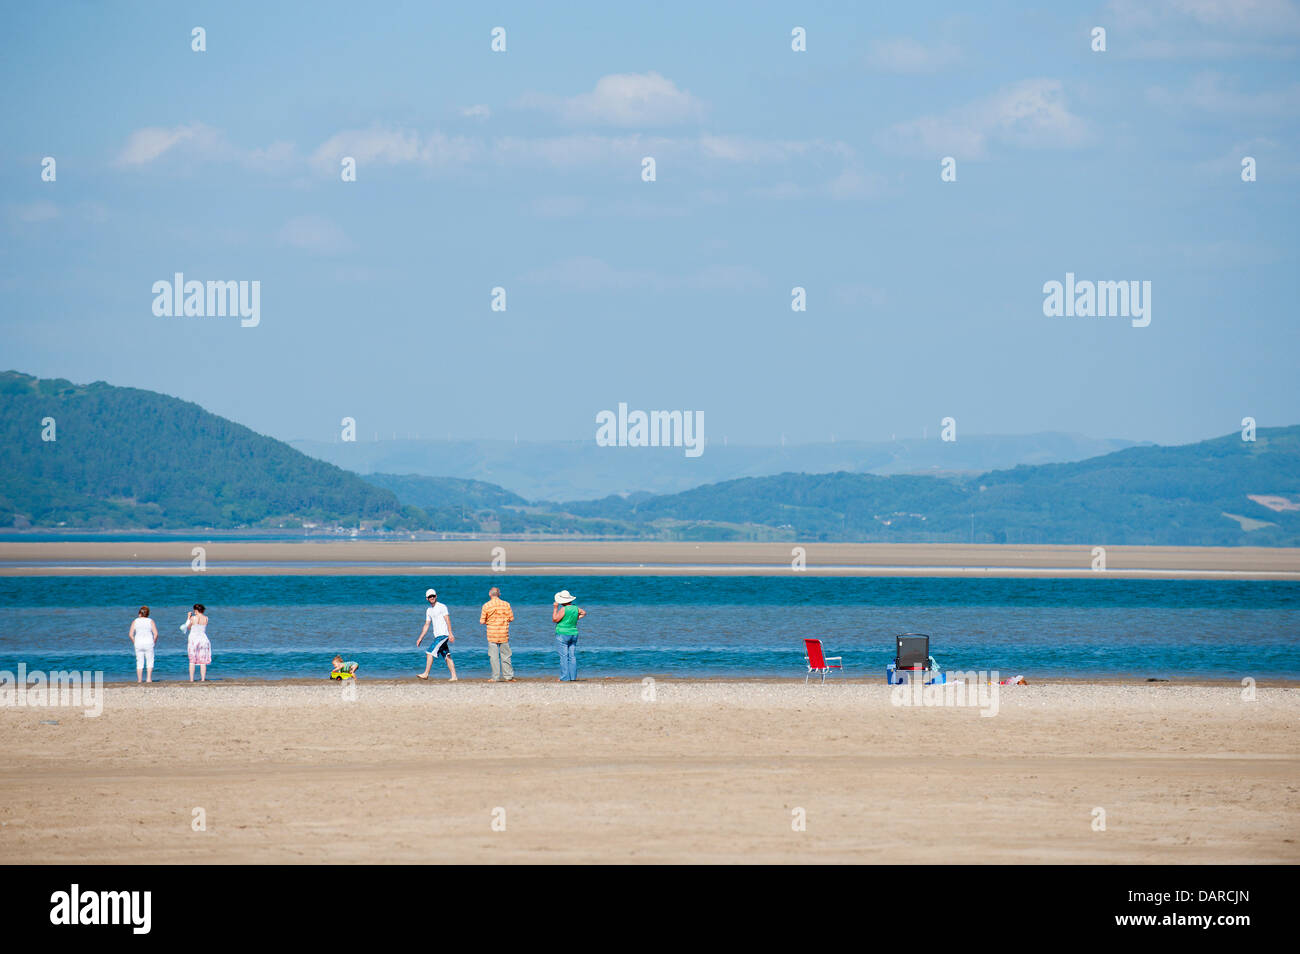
{"points": [[200, 648], [143, 634]]}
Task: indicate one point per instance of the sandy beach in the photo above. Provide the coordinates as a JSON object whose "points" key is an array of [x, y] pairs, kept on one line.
{"points": [[702, 772], [571, 558]]}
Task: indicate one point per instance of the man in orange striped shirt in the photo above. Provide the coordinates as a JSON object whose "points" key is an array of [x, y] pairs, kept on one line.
{"points": [[497, 617]]}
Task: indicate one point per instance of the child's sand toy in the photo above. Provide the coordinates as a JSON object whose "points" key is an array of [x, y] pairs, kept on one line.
{"points": [[343, 670]]}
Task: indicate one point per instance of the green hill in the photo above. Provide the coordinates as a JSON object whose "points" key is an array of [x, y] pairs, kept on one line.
{"points": [[451, 503], [127, 458], [474, 506], [435, 493], [1221, 492], [123, 457]]}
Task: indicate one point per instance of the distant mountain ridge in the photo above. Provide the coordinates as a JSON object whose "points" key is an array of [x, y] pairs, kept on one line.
{"points": [[124, 457], [1212, 493], [579, 470]]}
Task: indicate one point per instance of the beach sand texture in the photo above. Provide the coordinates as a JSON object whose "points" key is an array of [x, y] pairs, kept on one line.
{"points": [[706, 772], [573, 558]]}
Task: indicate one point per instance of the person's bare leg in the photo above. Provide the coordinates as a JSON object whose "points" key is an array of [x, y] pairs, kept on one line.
{"points": [[149, 675], [203, 672], [451, 667], [139, 672], [191, 672], [428, 664]]}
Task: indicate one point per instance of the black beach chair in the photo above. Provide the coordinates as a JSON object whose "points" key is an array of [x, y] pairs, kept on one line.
{"points": [[913, 654]]}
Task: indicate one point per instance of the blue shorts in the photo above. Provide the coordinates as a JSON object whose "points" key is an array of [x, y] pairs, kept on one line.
{"points": [[441, 647]]}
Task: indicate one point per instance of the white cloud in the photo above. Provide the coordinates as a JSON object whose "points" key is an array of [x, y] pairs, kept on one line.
{"points": [[33, 213], [386, 146], [41, 211], [905, 55], [1261, 16], [198, 142], [391, 147], [478, 111], [437, 151], [313, 233], [276, 154], [587, 273], [590, 148], [624, 99], [934, 136], [1212, 93], [579, 149], [397, 146], [1193, 48], [742, 149], [854, 183], [1204, 29], [1030, 114], [152, 142]]}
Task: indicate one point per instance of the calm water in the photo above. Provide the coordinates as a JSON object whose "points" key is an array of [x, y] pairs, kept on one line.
{"points": [[278, 626]]}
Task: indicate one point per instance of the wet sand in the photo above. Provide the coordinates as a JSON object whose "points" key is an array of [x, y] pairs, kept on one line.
{"points": [[641, 558]]}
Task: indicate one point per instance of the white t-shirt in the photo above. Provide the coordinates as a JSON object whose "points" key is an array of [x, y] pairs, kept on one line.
{"points": [[436, 616], [142, 633]]}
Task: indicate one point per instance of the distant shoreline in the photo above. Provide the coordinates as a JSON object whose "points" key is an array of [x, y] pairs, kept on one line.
{"points": [[645, 558]]}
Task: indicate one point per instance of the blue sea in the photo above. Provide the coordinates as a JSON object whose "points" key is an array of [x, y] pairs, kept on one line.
{"points": [[274, 627]]}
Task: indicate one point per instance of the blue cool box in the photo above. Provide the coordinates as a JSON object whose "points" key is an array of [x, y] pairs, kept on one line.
{"points": [[895, 678]]}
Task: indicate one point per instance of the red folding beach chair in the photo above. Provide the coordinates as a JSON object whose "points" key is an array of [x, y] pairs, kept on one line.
{"points": [[818, 662]]}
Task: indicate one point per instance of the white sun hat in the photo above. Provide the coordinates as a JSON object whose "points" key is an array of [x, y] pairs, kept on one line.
{"points": [[430, 592], [564, 596]]}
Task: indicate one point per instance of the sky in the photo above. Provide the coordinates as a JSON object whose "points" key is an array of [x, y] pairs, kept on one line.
{"points": [[775, 168]]}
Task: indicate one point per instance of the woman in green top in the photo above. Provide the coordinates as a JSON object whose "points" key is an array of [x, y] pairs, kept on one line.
{"points": [[565, 616]]}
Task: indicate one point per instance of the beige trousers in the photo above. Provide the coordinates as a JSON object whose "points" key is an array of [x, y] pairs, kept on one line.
{"points": [[499, 655]]}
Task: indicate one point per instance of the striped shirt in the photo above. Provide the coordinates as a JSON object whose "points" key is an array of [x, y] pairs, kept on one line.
{"points": [[497, 616]]}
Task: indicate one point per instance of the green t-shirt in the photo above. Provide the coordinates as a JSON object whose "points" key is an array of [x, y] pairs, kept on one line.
{"points": [[568, 626]]}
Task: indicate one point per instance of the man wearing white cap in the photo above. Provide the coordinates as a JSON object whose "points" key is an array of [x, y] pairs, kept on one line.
{"points": [[436, 616], [565, 616]]}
